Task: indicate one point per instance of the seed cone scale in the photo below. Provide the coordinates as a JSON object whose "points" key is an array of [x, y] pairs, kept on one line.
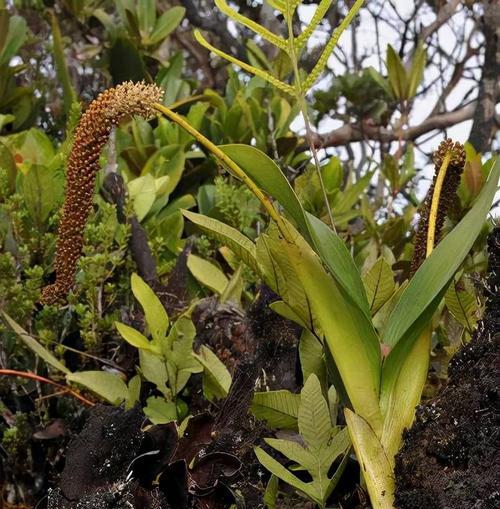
{"points": [[448, 193], [111, 107]]}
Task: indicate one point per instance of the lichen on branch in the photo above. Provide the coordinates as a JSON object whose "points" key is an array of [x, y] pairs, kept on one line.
{"points": [[111, 108]]}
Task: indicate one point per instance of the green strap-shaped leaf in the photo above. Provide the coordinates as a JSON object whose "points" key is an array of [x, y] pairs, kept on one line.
{"points": [[34, 345], [375, 466], [241, 246], [396, 74], [267, 175], [417, 70], [406, 394], [348, 332], [156, 316], [334, 253], [336, 257], [437, 271]]}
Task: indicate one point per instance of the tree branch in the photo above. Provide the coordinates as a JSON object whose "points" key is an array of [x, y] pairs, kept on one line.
{"points": [[351, 132]]}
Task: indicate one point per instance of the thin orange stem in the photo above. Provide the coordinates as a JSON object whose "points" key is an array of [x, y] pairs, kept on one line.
{"points": [[32, 376]]}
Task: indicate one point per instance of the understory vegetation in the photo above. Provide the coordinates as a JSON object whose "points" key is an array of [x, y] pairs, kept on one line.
{"points": [[233, 266]]}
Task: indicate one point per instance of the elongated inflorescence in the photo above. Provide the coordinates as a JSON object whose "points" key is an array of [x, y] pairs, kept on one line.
{"points": [[110, 108], [453, 171]]}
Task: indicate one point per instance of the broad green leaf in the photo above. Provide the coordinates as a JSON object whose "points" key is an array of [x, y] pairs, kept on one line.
{"points": [[236, 241], [217, 379], [167, 23], [462, 305], [375, 466], [379, 284], [159, 410], [314, 417], [42, 190], [207, 274], [280, 409], [438, 269], [34, 345], [178, 353], [134, 392], [105, 384], [349, 335], [398, 355], [36, 148], [397, 74], [135, 338], [267, 175], [154, 370], [154, 311], [142, 192]]}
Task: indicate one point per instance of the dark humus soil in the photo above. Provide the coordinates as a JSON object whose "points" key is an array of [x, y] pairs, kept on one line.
{"points": [[450, 458]]}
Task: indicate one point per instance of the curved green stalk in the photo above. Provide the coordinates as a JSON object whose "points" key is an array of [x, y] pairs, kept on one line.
{"points": [[228, 163]]}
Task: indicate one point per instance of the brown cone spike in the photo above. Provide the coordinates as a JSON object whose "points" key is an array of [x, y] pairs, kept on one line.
{"points": [[110, 108]]}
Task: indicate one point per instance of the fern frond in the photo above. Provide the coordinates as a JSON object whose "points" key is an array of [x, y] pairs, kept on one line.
{"points": [[323, 6], [247, 67], [277, 40], [323, 59]]}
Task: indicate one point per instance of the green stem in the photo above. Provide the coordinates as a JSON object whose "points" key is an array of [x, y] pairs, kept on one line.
{"points": [[300, 96]]}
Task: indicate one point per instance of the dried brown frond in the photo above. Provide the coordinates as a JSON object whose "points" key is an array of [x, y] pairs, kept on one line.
{"points": [[448, 192], [112, 107]]}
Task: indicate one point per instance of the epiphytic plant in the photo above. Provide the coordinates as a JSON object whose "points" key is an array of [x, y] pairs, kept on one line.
{"points": [[110, 109], [308, 265]]}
